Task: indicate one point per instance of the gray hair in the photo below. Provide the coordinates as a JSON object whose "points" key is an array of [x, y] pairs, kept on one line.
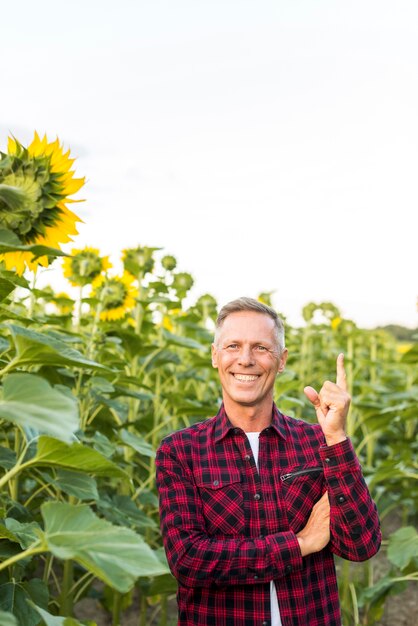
{"points": [[249, 304]]}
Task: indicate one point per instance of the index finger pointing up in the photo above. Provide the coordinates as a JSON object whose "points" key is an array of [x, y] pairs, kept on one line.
{"points": [[341, 375]]}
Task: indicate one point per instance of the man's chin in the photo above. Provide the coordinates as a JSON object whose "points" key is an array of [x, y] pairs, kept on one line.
{"points": [[246, 401]]}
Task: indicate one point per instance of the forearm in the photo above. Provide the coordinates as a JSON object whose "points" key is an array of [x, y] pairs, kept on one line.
{"points": [[354, 522], [201, 561]]}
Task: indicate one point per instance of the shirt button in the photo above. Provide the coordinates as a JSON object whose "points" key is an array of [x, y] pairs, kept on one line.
{"points": [[327, 460], [341, 499], [215, 483], [288, 569], [257, 496], [236, 430], [264, 624], [247, 457], [255, 577]]}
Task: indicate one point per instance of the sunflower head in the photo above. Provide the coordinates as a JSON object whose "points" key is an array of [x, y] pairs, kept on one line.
{"points": [[169, 262], [84, 266], [206, 305], [138, 261], [63, 302], [116, 295], [35, 185], [182, 283]]}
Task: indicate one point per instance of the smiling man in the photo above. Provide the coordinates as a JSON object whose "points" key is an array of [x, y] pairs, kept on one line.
{"points": [[254, 503]]}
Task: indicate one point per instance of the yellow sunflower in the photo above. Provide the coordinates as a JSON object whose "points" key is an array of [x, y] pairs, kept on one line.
{"points": [[116, 295], [63, 302], [84, 266], [36, 183]]}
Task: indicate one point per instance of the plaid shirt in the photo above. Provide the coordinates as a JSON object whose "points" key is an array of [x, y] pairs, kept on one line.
{"points": [[229, 529]]}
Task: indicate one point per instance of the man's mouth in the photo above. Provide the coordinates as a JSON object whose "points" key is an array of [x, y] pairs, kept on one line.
{"points": [[245, 377]]}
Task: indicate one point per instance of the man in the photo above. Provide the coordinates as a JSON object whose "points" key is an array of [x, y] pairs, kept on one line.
{"points": [[253, 503]]}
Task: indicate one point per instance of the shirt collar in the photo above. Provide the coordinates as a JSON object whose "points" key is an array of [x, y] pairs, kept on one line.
{"points": [[223, 426]]}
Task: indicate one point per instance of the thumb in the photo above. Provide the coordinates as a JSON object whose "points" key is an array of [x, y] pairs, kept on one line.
{"points": [[312, 396]]}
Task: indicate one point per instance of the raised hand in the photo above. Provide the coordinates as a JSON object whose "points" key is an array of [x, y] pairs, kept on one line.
{"points": [[332, 404]]}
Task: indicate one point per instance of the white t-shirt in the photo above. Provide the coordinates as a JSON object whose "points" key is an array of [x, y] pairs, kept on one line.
{"points": [[254, 440]]}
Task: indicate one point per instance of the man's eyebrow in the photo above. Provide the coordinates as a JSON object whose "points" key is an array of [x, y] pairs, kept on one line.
{"points": [[256, 342]]}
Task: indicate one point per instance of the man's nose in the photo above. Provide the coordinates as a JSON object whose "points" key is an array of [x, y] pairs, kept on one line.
{"points": [[246, 357]]}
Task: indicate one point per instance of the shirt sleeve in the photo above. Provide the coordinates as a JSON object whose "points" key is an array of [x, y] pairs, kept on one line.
{"points": [[197, 559], [354, 522]]}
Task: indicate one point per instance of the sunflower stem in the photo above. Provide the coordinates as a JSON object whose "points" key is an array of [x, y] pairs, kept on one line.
{"points": [[92, 342], [32, 299], [37, 548], [79, 309], [66, 600], [9, 366]]}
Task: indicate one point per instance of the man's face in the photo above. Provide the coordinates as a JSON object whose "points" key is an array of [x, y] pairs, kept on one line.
{"points": [[248, 359]]}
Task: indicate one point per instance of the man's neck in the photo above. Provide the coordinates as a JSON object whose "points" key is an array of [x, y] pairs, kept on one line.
{"points": [[250, 418]]}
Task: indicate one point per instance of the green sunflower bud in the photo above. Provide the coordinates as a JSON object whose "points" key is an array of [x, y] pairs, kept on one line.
{"points": [[168, 262]]}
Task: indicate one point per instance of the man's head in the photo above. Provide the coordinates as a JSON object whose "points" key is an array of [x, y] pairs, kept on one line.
{"points": [[251, 305], [248, 352]]}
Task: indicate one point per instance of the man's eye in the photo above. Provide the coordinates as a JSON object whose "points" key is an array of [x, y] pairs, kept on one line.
{"points": [[232, 346], [261, 348]]}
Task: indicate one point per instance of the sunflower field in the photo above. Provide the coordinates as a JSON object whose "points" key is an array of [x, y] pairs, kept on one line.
{"points": [[92, 379]]}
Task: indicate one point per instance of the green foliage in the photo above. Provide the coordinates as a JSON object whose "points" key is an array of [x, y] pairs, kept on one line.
{"points": [[116, 555], [30, 401], [84, 404]]}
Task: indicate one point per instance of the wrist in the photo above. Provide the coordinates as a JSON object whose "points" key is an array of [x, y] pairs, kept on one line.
{"points": [[335, 438], [302, 545]]}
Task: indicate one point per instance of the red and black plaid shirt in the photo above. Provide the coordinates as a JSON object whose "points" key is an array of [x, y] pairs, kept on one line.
{"points": [[229, 529]]}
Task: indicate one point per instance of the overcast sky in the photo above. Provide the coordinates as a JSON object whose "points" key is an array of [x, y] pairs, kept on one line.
{"points": [[268, 145]]}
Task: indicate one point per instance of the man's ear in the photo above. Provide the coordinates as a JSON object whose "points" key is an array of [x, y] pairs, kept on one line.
{"points": [[282, 361], [214, 356]]}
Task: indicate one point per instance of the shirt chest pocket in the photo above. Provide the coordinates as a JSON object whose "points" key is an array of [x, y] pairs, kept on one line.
{"points": [[222, 503], [302, 486]]}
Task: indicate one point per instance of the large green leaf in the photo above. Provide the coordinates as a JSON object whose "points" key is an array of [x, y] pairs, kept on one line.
{"points": [[5, 533], [138, 443], [377, 593], [15, 597], [7, 619], [81, 486], [6, 287], [25, 532], [31, 401], [162, 357], [54, 453], [35, 348], [161, 584], [121, 510], [183, 342], [7, 458], [54, 620], [15, 279], [116, 555], [403, 546]]}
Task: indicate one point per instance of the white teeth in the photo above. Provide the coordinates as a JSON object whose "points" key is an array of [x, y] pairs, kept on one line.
{"points": [[245, 377]]}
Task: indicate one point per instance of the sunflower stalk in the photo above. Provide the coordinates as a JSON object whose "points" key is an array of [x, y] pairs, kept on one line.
{"points": [[92, 341], [32, 299], [79, 309]]}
